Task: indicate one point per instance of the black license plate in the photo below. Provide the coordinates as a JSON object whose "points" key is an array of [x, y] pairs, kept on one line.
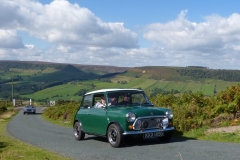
{"points": [[152, 135]]}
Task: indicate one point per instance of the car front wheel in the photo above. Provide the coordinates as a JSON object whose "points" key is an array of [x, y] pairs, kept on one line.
{"points": [[115, 137], [78, 133]]}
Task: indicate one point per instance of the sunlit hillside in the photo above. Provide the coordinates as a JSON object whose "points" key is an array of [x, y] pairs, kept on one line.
{"points": [[43, 81]]}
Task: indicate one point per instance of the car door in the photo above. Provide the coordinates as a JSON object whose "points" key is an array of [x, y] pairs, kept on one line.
{"points": [[83, 113], [98, 120]]}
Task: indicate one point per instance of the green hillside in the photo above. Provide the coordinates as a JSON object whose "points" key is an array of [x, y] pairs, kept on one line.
{"points": [[44, 81], [67, 91], [184, 73]]}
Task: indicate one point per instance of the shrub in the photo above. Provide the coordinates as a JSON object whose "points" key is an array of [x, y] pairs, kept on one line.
{"points": [[64, 110], [4, 105]]}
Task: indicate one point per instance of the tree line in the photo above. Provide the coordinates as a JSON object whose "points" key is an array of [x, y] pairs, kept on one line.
{"points": [[225, 75]]}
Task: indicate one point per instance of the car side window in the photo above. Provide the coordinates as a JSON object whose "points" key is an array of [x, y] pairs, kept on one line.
{"points": [[99, 101], [87, 102], [112, 99]]}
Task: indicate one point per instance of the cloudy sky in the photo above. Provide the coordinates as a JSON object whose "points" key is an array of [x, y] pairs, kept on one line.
{"points": [[127, 33]]}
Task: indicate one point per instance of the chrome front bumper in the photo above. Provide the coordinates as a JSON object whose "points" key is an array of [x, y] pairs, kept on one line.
{"points": [[148, 131]]}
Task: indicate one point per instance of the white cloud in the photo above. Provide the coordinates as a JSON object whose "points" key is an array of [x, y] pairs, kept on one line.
{"points": [[29, 46], [77, 35], [237, 48], [61, 22], [214, 34], [205, 43], [9, 39]]}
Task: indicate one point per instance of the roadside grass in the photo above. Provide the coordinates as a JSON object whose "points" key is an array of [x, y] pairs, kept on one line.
{"points": [[223, 137], [12, 149], [200, 134], [194, 133], [59, 122]]}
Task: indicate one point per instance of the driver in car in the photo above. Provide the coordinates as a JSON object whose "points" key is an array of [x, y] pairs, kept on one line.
{"points": [[126, 100]]}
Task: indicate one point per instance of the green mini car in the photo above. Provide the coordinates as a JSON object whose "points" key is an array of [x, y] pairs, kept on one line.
{"points": [[121, 113]]}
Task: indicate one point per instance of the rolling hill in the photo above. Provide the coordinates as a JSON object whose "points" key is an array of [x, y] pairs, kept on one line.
{"points": [[44, 80]]}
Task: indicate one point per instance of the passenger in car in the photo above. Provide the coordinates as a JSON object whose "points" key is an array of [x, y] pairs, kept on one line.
{"points": [[102, 103]]}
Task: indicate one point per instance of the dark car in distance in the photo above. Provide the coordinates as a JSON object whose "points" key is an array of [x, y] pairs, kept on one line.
{"points": [[123, 113], [29, 109]]}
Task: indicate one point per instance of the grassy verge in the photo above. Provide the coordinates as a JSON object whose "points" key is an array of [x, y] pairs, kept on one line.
{"points": [[57, 121], [200, 134], [12, 149]]}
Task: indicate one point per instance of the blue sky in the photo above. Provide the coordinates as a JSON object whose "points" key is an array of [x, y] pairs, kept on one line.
{"points": [[122, 33]]}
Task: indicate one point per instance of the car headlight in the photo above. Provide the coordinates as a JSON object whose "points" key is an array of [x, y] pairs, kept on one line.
{"points": [[169, 114], [130, 117]]}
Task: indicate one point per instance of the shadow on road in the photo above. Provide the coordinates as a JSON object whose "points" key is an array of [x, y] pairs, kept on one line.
{"points": [[136, 141], [33, 114], [102, 139], [152, 141], [178, 136]]}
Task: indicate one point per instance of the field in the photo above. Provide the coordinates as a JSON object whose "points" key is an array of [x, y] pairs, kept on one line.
{"points": [[44, 82], [65, 91], [68, 91]]}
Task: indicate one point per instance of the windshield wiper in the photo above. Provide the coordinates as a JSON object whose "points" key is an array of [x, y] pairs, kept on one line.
{"points": [[146, 103]]}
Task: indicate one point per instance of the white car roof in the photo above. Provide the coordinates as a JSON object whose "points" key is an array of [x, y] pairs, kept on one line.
{"points": [[112, 89]]}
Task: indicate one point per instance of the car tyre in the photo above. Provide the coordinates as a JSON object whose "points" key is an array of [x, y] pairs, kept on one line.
{"points": [[24, 113], [167, 136], [114, 135], [78, 133]]}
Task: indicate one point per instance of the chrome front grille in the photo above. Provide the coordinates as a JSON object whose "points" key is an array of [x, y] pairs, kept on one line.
{"points": [[148, 123]]}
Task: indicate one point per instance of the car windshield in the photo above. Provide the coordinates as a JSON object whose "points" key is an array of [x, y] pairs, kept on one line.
{"points": [[128, 97], [29, 107]]}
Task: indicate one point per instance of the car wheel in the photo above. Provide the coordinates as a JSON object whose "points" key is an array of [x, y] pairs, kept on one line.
{"points": [[24, 113], [115, 137], [167, 136], [78, 133]]}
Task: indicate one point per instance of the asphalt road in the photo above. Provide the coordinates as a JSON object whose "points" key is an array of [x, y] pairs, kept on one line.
{"points": [[36, 131]]}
